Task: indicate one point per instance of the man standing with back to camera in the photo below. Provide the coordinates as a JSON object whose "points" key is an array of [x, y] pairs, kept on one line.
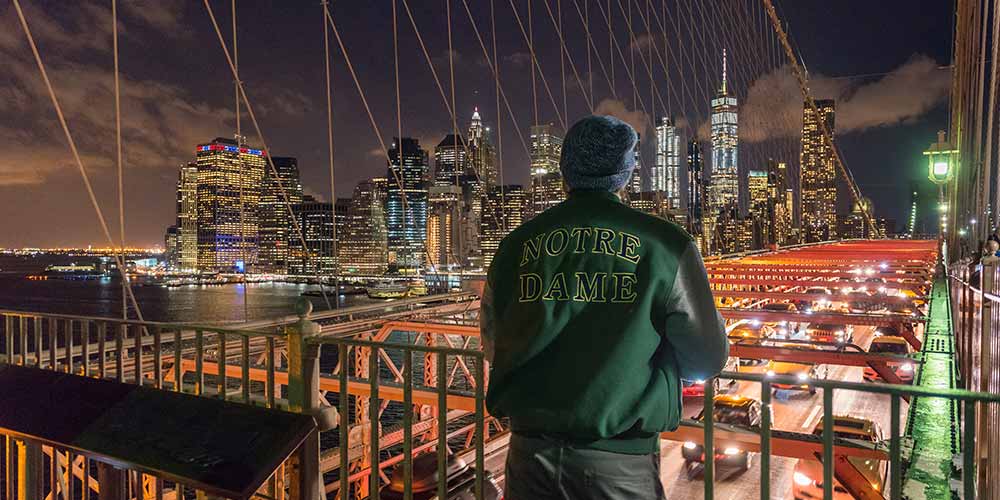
{"points": [[591, 314]]}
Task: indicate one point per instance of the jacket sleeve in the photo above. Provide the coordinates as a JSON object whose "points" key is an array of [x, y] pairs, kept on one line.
{"points": [[695, 328]]}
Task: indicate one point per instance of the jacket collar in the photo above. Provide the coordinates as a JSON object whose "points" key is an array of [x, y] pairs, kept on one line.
{"points": [[595, 194]]}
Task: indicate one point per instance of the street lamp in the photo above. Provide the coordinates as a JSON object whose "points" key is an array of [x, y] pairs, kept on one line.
{"points": [[941, 166]]}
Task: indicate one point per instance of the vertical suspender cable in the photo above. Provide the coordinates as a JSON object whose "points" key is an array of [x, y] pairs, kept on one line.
{"points": [[562, 57], [118, 153], [454, 126], [329, 145], [239, 138], [76, 154], [590, 70], [531, 49], [611, 52], [505, 224]]}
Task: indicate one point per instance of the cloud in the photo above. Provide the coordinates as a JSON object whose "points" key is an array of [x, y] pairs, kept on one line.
{"points": [[441, 61], [773, 107], [518, 59], [644, 42], [638, 119]]}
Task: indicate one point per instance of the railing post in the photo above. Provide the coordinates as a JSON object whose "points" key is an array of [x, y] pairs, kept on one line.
{"points": [[29, 471], [112, 481], [981, 450], [303, 395]]}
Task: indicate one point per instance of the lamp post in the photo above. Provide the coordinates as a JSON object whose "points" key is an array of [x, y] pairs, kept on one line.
{"points": [[941, 166]]}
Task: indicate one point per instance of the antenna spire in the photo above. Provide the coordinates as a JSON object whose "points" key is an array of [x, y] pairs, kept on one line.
{"points": [[723, 90]]}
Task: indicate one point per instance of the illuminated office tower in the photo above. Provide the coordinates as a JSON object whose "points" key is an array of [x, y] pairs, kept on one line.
{"points": [[406, 206], [451, 159], [762, 206], [361, 247], [230, 175], [695, 187], [484, 157], [546, 179], [782, 200], [666, 171], [634, 186], [725, 187], [316, 219], [170, 248], [444, 228], [187, 217], [819, 175], [276, 227], [504, 209]]}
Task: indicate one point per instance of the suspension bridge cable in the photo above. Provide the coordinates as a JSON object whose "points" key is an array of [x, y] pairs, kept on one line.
{"points": [[529, 36], [329, 145], [585, 21], [267, 150], [118, 151], [505, 224], [239, 138], [564, 50], [76, 154]]}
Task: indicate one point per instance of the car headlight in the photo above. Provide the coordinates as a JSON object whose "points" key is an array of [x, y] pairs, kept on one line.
{"points": [[840, 333], [802, 479], [770, 373], [690, 445], [907, 367], [803, 376], [699, 382], [731, 451]]}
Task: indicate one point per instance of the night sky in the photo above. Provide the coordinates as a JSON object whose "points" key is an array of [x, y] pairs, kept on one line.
{"points": [[883, 61]]}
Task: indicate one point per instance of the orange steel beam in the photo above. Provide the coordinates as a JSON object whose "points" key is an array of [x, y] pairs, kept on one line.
{"points": [[802, 273], [829, 284], [783, 443], [910, 336], [812, 355], [354, 387], [852, 479], [423, 327], [821, 317], [880, 299]]}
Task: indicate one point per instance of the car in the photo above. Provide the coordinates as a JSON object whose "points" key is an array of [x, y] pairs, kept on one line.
{"points": [[696, 388], [889, 330], [807, 478], [461, 481], [803, 372], [902, 310], [752, 329], [891, 344], [825, 332], [822, 300], [779, 307], [735, 410]]}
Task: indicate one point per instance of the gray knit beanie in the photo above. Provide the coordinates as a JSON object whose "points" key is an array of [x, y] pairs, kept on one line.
{"points": [[598, 154]]}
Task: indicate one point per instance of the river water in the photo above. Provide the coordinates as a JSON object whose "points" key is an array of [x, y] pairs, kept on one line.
{"points": [[193, 303]]}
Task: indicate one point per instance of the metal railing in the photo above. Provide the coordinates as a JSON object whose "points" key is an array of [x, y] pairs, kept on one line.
{"points": [[275, 369], [977, 330]]}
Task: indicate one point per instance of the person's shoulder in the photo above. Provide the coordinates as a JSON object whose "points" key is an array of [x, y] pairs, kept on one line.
{"points": [[668, 232]]}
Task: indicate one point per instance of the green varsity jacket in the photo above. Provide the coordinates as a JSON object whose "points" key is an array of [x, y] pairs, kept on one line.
{"points": [[591, 314]]}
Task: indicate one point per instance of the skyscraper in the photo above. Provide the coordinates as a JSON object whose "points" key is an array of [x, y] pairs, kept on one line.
{"points": [[230, 175], [316, 219], [276, 227], [782, 199], [187, 217], [170, 247], [481, 148], [451, 160], [406, 206], [362, 247], [762, 205], [546, 179], [444, 228], [504, 209], [819, 175], [635, 182], [725, 187], [665, 175], [695, 186]]}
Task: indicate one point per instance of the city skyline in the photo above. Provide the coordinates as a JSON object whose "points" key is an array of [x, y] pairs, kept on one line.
{"points": [[291, 114]]}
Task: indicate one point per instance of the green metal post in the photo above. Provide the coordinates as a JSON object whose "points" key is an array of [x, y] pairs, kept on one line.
{"points": [[480, 427], [827, 443], [303, 395], [199, 362], [969, 451], [895, 461], [765, 440], [708, 449]]}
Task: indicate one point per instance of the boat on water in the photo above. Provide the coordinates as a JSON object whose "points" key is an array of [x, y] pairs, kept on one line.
{"points": [[397, 290]]}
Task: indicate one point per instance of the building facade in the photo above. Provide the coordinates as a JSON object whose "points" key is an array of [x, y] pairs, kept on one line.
{"points": [[280, 191], [317, 221], [666, 171], [445, 238], [187, 217], [362, 247], [230, 175], [504, 208], [724, 187], [484, 157], [546, 179], [451, 160], [818, 174], [695, 189], [406, 206]]}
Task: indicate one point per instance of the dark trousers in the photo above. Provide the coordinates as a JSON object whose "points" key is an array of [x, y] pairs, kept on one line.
{"points": [[548, 469]]}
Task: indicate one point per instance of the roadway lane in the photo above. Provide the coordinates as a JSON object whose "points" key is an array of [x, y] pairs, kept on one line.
{"points": [[792, 411]]}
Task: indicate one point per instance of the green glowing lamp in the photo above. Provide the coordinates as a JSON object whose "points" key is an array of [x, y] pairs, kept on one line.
{"points": [[941, 160]]}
